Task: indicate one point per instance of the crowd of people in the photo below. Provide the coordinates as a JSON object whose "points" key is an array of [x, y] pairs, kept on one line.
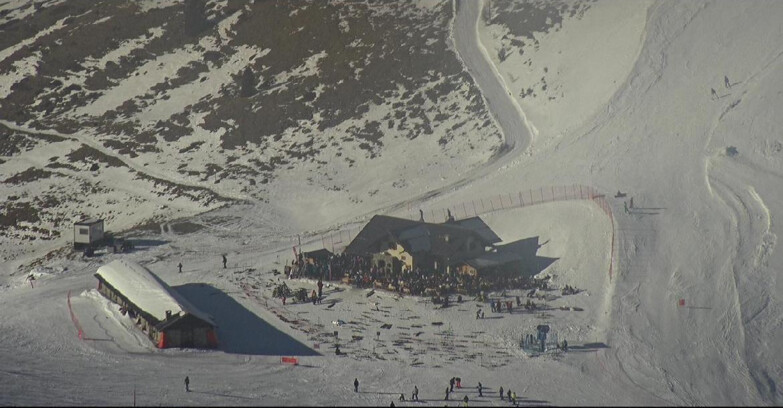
{"points": [[361, 271]]}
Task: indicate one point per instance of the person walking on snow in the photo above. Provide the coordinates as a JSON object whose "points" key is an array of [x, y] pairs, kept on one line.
{"points": [[355, 385], [320, 288], [514, 398], [180, 267], [508, 395], [480, 388], [187, 384], [726, 82], [451, 384], [501, 393], [447, 394], [224, 261], [415, 395]]}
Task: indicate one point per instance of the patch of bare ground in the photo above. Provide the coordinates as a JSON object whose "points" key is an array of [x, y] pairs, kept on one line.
{"points": [[89, 155], [198, 194], [27, 176], [14, 212]]}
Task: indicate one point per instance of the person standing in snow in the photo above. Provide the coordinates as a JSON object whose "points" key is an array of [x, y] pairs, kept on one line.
{"points": [[180, 267], [224, 261], [355, 385], [480, 388], [451, 384], [187, 384], [508, 395], [415, 395], [514, 398], [726, 82], [402, 397], [313, 297], [501, 393], [320, 288], [459, 382], [466, 399], [447, 394]]}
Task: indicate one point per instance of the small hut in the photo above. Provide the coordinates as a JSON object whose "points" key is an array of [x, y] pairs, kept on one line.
{"points": [[87, 232]]}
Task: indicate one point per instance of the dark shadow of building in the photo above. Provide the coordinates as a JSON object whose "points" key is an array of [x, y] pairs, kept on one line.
{"points": [[241, 331]]}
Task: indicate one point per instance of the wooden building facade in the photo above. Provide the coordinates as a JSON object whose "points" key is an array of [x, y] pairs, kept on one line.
{"points": [[163, 315]]}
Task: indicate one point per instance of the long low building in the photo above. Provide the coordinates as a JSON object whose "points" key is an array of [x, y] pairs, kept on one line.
{"points": [[159, 311]]}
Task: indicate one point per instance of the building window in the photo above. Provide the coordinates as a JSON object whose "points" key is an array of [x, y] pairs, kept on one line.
{"points": [[84, 231]]}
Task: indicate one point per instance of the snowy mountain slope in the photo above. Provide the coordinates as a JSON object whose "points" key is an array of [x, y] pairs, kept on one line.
{"points": [[704, 175], [166, 94]]}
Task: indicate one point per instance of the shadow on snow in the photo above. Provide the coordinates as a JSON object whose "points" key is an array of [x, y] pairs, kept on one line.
{"points": [[239, 330]]}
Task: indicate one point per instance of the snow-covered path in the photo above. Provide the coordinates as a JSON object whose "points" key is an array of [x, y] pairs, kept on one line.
{"points": [[504, 108]]}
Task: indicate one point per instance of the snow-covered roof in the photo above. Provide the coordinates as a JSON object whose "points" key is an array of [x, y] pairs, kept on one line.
{"points": [[148, 292]]}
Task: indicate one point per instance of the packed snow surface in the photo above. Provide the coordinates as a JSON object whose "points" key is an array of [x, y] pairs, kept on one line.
{"points": [[675, 105]]}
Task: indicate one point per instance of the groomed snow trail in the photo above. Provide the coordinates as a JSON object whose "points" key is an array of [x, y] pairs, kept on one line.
{"points": [[503, 108]]}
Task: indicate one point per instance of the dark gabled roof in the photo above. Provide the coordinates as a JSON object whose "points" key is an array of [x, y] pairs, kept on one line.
{"points": [[379, 226], [417, 236], [517, 251], [478, 225]]}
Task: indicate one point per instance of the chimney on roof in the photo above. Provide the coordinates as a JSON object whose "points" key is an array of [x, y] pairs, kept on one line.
{"points": [[168, 314]]}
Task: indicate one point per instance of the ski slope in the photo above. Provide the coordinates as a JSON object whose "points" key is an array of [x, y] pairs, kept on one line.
{"points": [[690, 316]]}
